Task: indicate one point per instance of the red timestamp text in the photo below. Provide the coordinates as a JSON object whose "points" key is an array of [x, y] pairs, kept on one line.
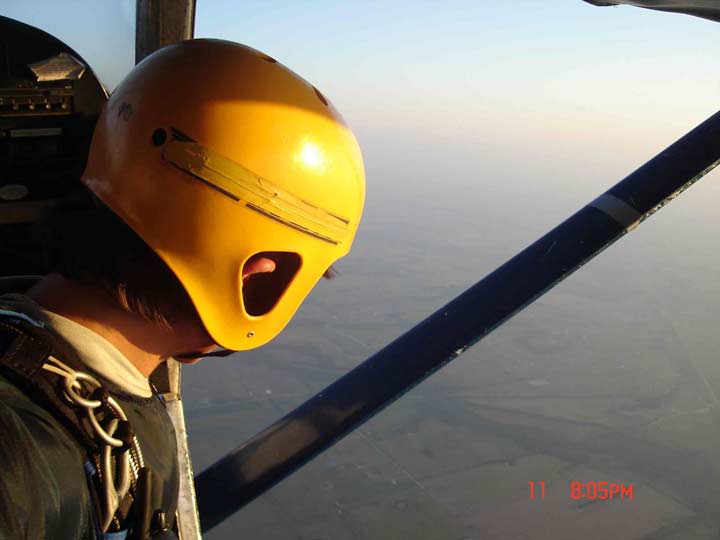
{"points": [[602, 490]]}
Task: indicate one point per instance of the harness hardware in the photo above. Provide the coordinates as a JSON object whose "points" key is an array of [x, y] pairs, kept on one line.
{"points": [[82, 390]]}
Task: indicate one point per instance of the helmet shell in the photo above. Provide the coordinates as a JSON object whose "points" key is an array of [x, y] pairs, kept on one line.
{"points": [[242, 107]]}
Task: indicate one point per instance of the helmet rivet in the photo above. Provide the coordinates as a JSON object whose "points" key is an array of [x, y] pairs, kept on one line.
{"points": [[159, 136], [251, 333]]}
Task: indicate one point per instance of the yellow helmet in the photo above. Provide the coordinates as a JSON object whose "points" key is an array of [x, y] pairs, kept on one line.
{"points": [[213, 152]]}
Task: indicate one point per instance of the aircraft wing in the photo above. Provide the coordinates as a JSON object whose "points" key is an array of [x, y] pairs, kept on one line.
{"points": [[707, 9]]}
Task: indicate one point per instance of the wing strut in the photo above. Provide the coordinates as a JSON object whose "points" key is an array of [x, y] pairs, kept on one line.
{"points": [[162, 22]]}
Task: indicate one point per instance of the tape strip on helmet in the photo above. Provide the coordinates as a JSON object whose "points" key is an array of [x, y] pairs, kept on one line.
{"points": [[259, 194]]}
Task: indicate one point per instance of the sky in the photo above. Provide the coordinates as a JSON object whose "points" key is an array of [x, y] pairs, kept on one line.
{"points": [[469, 70]]}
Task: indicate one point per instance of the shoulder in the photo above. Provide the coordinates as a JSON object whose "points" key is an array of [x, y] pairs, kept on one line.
{"points": [[42, 468]]}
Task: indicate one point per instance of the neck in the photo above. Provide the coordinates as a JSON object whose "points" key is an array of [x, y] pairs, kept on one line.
{"points": [[144, 343]]}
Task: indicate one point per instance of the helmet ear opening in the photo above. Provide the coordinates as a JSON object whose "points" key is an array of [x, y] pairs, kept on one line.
{"points": [[262, 291]]}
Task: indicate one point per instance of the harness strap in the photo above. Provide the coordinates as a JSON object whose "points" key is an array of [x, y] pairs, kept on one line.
{"points": [[23, 353], [22, 360]]}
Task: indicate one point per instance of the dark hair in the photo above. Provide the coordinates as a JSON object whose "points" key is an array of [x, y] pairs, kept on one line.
{"points": [[87, 243]]}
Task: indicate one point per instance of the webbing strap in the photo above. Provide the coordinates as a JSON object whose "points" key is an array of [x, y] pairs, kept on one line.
{"points": [[23, 352], [23, 356]]}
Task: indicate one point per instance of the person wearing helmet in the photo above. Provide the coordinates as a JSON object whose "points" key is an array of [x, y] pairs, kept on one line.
{"points": [[221, 187]]}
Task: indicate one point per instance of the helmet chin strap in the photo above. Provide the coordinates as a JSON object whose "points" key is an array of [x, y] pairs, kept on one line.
{"points": [[220, 353]]}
